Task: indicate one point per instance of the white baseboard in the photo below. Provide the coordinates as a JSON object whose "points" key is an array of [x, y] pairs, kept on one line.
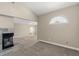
{"points": [[73, 48]]}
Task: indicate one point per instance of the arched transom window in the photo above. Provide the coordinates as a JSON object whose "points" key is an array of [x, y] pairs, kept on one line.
{"points": [[58, 20]]}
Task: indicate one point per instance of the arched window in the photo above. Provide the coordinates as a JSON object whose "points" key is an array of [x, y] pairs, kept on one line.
{"points": [[58, 20]]}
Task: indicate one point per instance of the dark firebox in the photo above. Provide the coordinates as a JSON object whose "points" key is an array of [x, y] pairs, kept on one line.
{"points": [[7, 40]]}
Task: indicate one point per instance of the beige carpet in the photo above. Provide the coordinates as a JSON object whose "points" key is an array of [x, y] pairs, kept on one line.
{"points": [[42, 49]]}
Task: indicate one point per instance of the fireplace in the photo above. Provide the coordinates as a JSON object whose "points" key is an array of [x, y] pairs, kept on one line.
{"points": [[7, 40]]}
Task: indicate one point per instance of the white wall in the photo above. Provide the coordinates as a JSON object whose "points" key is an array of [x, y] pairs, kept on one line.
{"points": [[6, 22], [22, 30], [17, 9], [64, 34]]}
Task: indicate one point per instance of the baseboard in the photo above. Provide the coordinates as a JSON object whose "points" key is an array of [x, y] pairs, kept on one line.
{"points": [[69, 47]]}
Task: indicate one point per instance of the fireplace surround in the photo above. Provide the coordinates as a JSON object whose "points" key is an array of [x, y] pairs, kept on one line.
{"points": [[6, 38]]}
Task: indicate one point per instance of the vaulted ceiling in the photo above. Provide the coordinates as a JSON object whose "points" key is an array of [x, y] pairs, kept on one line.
{"points": [[41, 8]]}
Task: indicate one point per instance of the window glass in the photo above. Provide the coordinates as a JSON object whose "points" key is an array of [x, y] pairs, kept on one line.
{"points": [[58, 20]]}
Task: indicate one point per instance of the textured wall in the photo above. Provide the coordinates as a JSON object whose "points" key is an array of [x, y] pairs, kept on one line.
{"points": [[65, 34]]}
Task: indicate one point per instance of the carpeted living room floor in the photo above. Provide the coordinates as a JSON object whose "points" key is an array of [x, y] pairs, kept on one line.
{"points": [[40, 49]]}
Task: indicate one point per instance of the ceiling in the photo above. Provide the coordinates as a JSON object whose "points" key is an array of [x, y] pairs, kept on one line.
{"points": [[40, 8]]}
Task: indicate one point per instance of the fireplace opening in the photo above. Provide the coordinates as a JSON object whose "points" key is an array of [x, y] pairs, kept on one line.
{"points": [[7, 40]]}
